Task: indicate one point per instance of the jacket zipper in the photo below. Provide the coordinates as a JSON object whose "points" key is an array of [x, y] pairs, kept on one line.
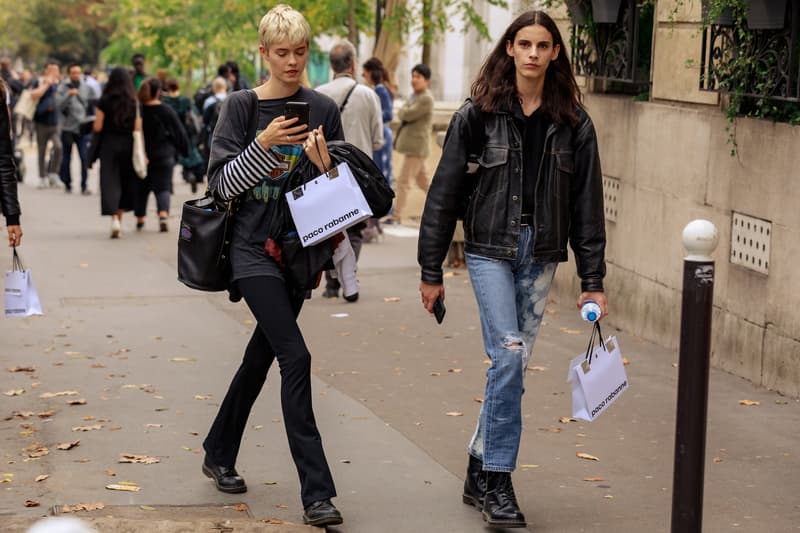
{"points": [[550, 131]]}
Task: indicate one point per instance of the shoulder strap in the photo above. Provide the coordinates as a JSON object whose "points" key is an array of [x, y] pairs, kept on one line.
{"points": [[252, 124], [347, 97]]}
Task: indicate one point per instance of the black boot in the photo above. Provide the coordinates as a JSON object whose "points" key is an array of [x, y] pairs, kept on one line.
{"points": [[500, 506], [474, 483]]}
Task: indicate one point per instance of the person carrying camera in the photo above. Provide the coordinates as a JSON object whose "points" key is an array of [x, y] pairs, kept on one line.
{"points": [[74, 99], [521, 165], [251, 170]]}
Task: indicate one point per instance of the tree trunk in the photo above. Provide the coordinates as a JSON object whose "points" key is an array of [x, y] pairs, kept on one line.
{"points": [[427, 37], [389, 43], [352, 28]]}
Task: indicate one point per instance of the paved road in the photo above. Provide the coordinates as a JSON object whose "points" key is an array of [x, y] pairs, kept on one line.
{"points": [[152, 359]]}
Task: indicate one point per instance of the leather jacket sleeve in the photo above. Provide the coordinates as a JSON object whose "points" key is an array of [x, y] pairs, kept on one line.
{"points": [[587, 233], [449, 186], [8, 180]]}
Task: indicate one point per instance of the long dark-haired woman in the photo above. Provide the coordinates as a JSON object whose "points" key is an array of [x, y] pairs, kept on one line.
{"points": [[164, 140], [114, 120], [9, 203], [537, 186]]}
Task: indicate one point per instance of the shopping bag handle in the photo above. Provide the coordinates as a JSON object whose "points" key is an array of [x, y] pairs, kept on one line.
{"points": [[589, 349], [316, 145], [16, 262]]}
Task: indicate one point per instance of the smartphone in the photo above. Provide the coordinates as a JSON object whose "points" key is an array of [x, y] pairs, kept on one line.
{"points": [[439, 309], [299, 110]]}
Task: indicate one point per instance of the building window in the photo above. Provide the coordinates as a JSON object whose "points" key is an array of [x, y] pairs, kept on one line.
{"points": [[617, 51], [762, 63]]}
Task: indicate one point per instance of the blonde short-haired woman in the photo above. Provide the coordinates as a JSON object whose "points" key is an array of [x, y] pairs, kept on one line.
{"points": [[251, 170]]}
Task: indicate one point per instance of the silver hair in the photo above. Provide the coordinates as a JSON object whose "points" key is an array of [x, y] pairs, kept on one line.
{"points": [[342, 56]]}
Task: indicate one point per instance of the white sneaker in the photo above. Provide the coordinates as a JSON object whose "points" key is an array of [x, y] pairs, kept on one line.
{"points": [[43, 183], [116, 228], [55, 180]]}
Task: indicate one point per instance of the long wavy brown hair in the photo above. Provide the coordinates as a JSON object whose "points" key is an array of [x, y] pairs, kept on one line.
{"points": [[495, 88]]}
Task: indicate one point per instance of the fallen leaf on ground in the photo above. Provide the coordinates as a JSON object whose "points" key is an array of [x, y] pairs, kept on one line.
{"points": [[594, 479], [124, 486], [241, 507], [154, 425], [608, 497], [98, 365], [31, 503], [41, 478], [454, 413], [581, 455], [88, 428], [536, 369], [22, 369], [281, 506], [80, 401], [147, 508], [391, 299], [270, 483], [529, 466], [570, 331], [625, 361], [345, 461], [24, 415], [717, 459], [748, 402], [140, 459], [110, 473], [273, 521], [68, 445], [34, 451], [456, 370], [202, 396], [46, 395], [7, 478], [551, 430], [84, 460], [566, 420], [183, 359], [434, 374], [478, 399], [14, 392], [82, 507]]}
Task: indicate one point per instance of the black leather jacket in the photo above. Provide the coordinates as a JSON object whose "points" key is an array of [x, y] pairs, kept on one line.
{"points": [[481, 169], [9, 205]]}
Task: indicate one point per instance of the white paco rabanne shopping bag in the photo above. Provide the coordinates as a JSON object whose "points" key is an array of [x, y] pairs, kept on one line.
{"points": [[19, 296], [327, 205], [598, 377]]}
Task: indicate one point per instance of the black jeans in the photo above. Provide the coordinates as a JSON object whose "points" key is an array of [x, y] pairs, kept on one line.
{"points": [[277, 336], [68, 138]]}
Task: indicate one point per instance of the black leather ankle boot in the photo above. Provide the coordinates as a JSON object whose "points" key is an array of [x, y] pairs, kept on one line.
{"points": [[500, 506], [474, 483]]}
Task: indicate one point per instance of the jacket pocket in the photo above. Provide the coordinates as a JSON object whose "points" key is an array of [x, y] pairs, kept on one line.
{"points": [[493, 156]]}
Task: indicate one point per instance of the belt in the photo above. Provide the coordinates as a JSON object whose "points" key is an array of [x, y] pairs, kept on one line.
{"points": [[526, 220]]}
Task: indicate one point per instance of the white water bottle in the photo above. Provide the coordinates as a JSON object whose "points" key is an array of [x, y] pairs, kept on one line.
{"points": [[590, 311]]}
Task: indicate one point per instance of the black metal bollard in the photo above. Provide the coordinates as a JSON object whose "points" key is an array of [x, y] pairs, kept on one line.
{"points": [[700, 239]]}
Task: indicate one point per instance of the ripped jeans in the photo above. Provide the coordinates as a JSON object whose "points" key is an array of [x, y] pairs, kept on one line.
{"points": [[511, 295]]}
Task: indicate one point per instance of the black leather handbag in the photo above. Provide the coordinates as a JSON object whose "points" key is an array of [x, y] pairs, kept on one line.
{"points": [[204, 244], [204, 239]]}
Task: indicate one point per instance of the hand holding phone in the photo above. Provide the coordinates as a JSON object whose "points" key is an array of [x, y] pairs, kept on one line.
{"points": [[439, 309]]}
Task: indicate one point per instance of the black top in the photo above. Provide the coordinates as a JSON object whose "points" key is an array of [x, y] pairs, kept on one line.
{"points": [[111, 123], [164, 137], [534, 130], [248, 257], [9, 204]]}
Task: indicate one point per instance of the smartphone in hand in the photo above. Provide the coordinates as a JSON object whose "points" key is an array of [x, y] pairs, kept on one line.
{"points": [[439, 309], [299, 110]]}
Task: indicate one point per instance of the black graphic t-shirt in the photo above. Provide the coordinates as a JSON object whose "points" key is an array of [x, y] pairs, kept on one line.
{"points": [[248, 257]]}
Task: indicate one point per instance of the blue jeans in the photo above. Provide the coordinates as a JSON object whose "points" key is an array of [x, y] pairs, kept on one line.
{"points": [[511, 295]]}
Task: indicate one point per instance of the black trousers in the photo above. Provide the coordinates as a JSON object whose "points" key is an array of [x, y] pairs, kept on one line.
{"points": [[277, 336]]}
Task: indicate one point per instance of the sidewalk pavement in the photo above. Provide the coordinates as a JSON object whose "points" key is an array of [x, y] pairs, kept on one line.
{"points": [[395, 398]]}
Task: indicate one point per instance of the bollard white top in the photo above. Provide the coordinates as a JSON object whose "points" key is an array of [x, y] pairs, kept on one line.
{"points": [[700, 238]]}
